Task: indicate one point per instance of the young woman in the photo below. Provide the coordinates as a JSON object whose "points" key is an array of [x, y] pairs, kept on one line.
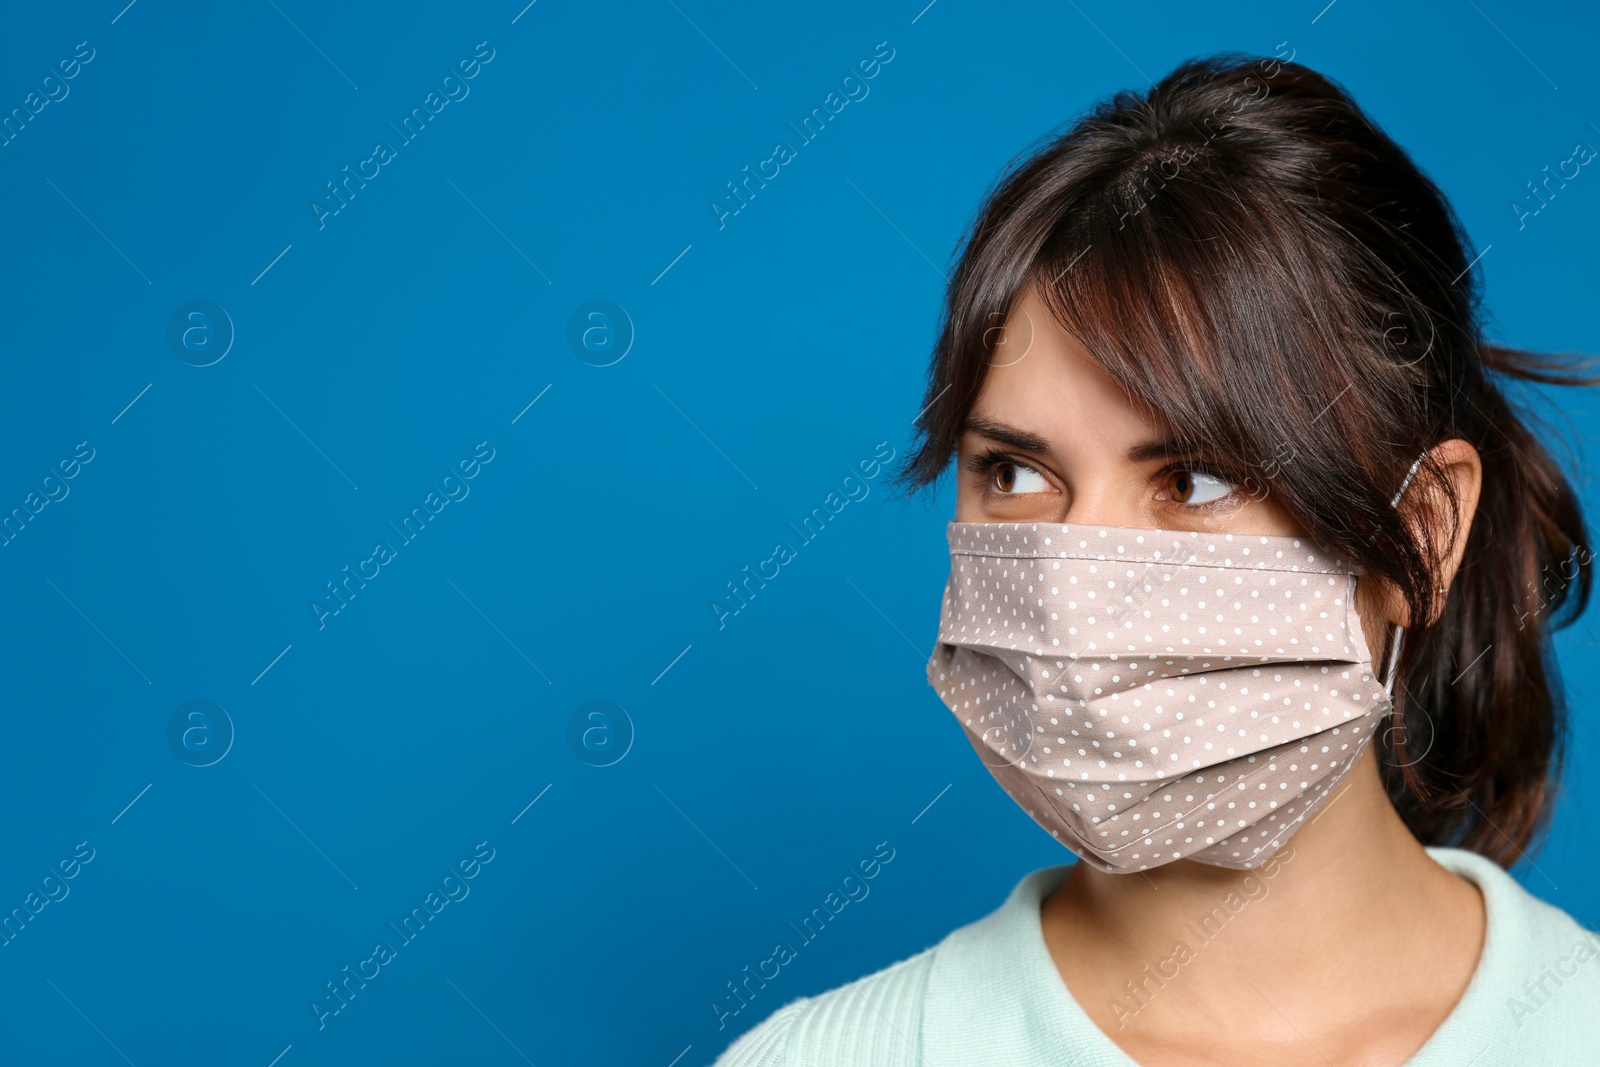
{"points": [[1253, 572]]}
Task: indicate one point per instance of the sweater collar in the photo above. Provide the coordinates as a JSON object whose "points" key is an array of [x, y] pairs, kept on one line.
{"points": [[994, 995]]}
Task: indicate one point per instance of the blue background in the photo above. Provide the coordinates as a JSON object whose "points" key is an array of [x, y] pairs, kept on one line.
{"points": [[769, 355]]}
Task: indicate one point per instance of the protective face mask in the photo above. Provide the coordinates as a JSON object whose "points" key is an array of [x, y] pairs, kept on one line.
{"points": [[1153, 695]]}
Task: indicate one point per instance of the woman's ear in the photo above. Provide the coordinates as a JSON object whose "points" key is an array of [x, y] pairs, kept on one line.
{"points": [[1441, 515]]}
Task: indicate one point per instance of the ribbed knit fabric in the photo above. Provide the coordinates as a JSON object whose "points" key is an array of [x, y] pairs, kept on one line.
{"points": [[989, 995]]}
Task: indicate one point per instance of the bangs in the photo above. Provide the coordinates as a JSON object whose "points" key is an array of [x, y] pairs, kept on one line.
{"points": [[1214, 314]]}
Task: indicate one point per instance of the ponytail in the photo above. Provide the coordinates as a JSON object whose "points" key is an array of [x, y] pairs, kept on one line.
{"points": [[1474, 755]]}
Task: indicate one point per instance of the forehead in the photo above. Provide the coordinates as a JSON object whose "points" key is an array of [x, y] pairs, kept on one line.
{"points": [[1042, 380]]}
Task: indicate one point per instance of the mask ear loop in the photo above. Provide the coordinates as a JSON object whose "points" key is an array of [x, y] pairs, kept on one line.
{"points": [[1394, 660], [1399, 631]]}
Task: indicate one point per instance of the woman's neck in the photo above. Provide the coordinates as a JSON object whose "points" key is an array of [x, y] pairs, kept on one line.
{"points": [[1352, 938]]}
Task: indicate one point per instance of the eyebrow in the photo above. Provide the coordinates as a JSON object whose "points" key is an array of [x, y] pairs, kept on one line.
{"points": [[1029, 442], [999, 431]]}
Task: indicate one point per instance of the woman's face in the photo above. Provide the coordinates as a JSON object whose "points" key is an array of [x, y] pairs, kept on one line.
{"points": [[1051, 438]]}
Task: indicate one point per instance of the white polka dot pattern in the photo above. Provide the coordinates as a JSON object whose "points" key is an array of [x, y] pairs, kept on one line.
{"points": [[1153, 695]]}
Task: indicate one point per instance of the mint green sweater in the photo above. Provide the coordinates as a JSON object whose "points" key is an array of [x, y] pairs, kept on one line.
{"points": [[989, 995]]}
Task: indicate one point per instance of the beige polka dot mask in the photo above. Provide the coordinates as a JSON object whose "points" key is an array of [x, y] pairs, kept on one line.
{"points": [[1153, 695]]}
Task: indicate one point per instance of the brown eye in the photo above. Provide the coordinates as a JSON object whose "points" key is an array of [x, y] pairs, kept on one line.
{"points": [[1196, 487], [1017, 478]]}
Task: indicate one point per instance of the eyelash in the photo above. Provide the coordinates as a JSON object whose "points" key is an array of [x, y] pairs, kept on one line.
{"points": [[983, 464]]}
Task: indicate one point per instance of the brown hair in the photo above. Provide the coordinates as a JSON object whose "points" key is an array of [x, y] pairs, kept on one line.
{"points": [[1260, 266]]}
